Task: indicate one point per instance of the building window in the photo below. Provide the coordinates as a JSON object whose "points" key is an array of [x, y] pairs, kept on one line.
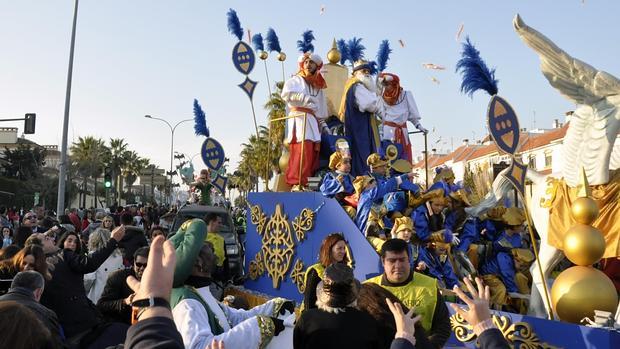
{"points": [[531, 163], [547, 159]]}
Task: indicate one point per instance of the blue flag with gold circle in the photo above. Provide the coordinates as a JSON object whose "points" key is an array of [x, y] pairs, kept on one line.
{"points": [[212, 154], [503, 125]]}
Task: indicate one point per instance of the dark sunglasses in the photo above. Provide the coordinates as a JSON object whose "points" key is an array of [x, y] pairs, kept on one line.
{"points": [[140, 265]]}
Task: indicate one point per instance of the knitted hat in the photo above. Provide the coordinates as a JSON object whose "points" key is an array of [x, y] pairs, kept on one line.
{"points": [[339, 287]]}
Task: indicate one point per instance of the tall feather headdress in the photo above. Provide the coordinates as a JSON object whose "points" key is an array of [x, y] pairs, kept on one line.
{"points": [[344, 51], [234, 26], [273, 43], [200, 120], [476, 75], [305, 44], [257, 42], [355, 50], [383, 55]]}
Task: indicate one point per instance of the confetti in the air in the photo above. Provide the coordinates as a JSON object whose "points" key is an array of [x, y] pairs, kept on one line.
{"points": [[433, 66], [401, 42], [460, 31], [322, 9], [433, 79]]}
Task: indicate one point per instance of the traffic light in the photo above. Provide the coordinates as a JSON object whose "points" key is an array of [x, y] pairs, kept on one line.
{"points": [[107, 178], [29, 124]]}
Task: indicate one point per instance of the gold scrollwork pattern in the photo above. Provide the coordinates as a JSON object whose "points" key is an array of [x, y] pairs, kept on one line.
{"points": [[552, 188], [257, 266], [278, 246], [519, 332], [258, 218], [303, 224], [298, 276]]}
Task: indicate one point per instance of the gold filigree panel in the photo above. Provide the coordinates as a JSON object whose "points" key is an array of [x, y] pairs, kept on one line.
{"points": [[278, 246], [258, 218], [298, 276], [519, 332], [303, 224]]}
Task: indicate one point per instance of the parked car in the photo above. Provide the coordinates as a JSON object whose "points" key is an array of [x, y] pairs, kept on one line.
{"points": [[232, 238]]}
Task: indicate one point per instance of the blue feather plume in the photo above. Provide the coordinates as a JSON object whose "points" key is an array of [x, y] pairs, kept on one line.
{"points": [[373, 67], [476, 74], [257, 41], [200, 120], [234, 26], [356, 49], [273, 43], [344, 51], [383, 56], [305, 44]]}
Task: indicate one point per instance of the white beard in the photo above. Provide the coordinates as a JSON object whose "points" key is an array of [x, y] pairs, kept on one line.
{"points": [[368, 81]]}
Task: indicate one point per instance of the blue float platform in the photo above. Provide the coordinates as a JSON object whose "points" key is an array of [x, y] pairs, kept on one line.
{"points": [[283, 239]]}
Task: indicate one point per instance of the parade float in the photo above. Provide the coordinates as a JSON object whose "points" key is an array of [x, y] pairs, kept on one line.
{"points": [[574, 212]]}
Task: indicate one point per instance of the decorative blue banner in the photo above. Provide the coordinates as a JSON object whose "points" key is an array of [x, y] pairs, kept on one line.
{"points": [[220, 183], [212, 154], [516, 175], [503, 125], [248, 86], [243, 58]]}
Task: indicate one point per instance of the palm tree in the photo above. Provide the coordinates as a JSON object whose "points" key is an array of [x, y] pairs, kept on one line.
{"points": [[118, 147], [88, 156], [133, 166]]}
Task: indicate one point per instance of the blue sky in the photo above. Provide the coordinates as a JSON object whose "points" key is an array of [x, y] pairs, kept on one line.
{"points": [[154, 57]]}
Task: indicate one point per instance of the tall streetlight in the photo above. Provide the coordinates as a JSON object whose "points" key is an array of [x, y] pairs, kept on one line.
{"points": [[172, 129], [62, 171]]}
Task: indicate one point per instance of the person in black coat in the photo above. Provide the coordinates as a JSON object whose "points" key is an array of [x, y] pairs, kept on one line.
{"points": [[115, 301], [65, 293], [26, 289], [336, 323]]}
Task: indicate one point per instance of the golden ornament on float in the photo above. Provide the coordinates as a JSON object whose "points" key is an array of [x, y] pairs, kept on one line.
{"points": [[263, 55], [281, 56], [584, 210], [283, 161], [579, 290], [584, 244], [333, 55]]}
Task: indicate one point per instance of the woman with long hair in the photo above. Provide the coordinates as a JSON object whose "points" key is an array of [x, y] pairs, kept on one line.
{"points": [[333, 250], [70, 241], [30, 257], [95, 282]]}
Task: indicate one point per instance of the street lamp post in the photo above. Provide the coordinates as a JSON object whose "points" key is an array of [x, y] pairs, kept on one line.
{"points": [[172, 129]]}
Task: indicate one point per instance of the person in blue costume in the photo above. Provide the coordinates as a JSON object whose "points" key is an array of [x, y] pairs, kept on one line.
{"points": [[369, 192], [428, 219], [338, 183], [377, 167], [435, 256], [506, 275], [357, 110], [499, 271]]}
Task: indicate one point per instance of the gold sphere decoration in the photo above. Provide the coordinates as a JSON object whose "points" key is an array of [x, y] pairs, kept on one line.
{"points": [[584, 210], [578, 291], [281, 56], [263, 55], [584, 244]]}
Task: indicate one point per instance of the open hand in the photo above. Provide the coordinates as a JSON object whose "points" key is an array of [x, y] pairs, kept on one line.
{"points": [[405, 323], [478, 305], [157, 278]]}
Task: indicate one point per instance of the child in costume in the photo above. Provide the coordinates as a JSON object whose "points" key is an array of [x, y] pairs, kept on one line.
{"points": [[338, 183]]}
